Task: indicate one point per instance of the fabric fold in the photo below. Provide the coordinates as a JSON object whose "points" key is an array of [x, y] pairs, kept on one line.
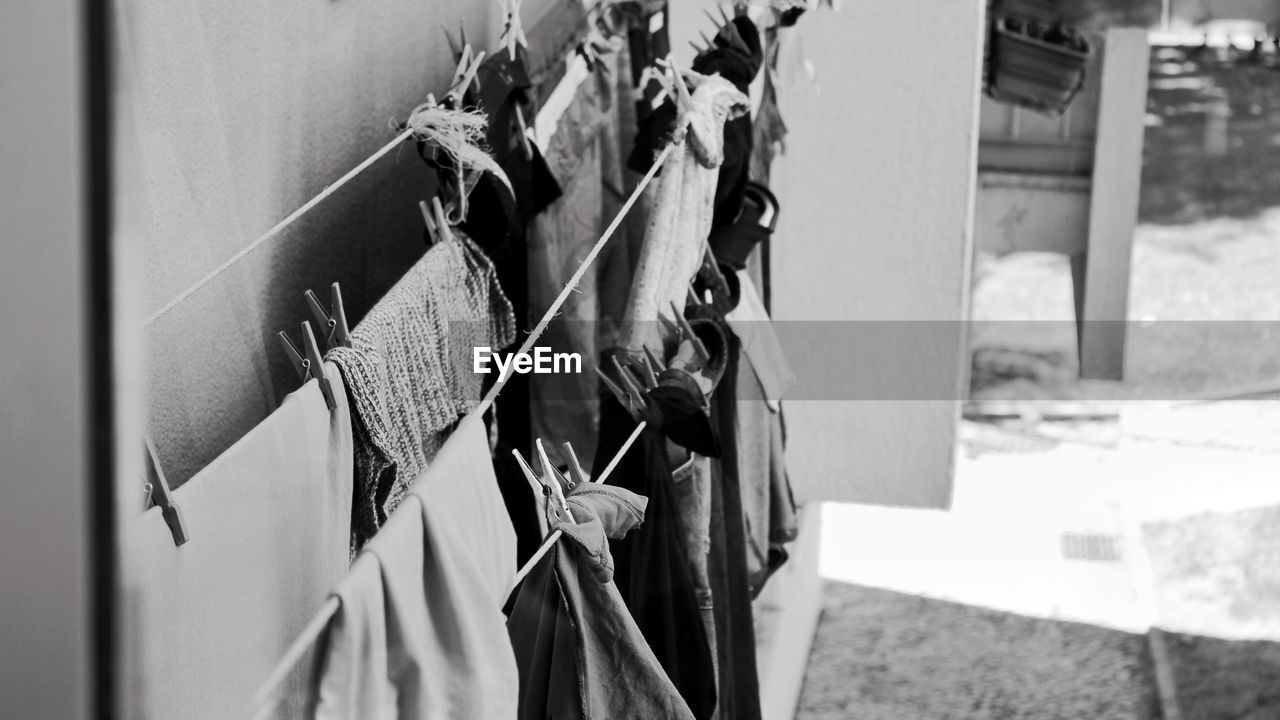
{"points": [[408, 371], [269, 527], [420, 631]]}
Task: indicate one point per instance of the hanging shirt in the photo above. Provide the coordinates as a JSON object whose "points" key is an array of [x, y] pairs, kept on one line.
{"points": [[420, 631], [269, 529], [409, 370]]}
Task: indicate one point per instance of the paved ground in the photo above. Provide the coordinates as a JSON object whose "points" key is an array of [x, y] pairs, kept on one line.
{"points": [[1031, 597]]}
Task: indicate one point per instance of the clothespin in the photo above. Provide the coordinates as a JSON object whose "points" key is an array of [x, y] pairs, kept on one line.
{"points": [[162, 497], [589, 55], [673, 82], [709, 271], [463, 76], [646, 364], [337, 333], [307, 362], [540, 491], [456, 44], [513, 34], [694, 300], [554, 479], [629, 394], [686, 333], [653, 362], [433, 232], [575, 467], [436, 220]]}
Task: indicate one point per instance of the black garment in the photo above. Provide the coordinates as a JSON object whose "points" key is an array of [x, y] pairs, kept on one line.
{"points": [[497, 220], [739, 682], [733, 242], [652, 571], [545, 646]]}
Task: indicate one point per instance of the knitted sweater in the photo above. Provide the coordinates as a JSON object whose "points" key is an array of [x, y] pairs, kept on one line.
{"points": [[408, 371]]}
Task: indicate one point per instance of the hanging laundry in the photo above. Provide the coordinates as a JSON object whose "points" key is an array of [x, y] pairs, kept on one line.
{"points": [[653, 574], [497, 220], [618, 259], [683, 204], [420, 631], [738, 681], [500, 206], [768, 505], [691, 481], [736, 55], [408, 370], [579, 651], [269, 523], [759, 341], [565, 405]]}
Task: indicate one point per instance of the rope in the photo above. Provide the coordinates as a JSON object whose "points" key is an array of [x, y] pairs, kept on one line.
{"points": [[277, 228], [573, 281]]}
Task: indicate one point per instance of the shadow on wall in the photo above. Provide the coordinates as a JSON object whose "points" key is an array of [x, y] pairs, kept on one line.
{"points": [[881, 655]]}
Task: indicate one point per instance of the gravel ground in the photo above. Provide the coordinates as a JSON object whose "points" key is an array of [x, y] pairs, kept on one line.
{"points": [[881, 655]]}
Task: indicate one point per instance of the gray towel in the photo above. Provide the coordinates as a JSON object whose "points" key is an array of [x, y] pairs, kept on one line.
{"points": [[408, 371]]}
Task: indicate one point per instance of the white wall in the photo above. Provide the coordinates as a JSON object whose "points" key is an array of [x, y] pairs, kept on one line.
{"points": [[877, 189]]}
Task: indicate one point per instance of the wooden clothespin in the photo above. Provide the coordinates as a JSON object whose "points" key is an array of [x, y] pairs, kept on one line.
{"points": [[684, 331], [554, 479], [463, 76], [654, 362], [673, 82], [436, 220], [334, 320], [513, 36], [546, 487], [540, 492], [433, 233], [575, 468], [729, 31], [162, 496], [307, 362], [456, 44], [630, 395], [711, 271]]}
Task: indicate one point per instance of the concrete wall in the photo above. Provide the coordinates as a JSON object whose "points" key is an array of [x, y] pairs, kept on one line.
{"points": [[241, 112], [876, 188]]}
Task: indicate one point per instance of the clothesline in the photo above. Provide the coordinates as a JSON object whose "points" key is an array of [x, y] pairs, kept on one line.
{"points": [[316, 626], [278, 227], [544, 126]]}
